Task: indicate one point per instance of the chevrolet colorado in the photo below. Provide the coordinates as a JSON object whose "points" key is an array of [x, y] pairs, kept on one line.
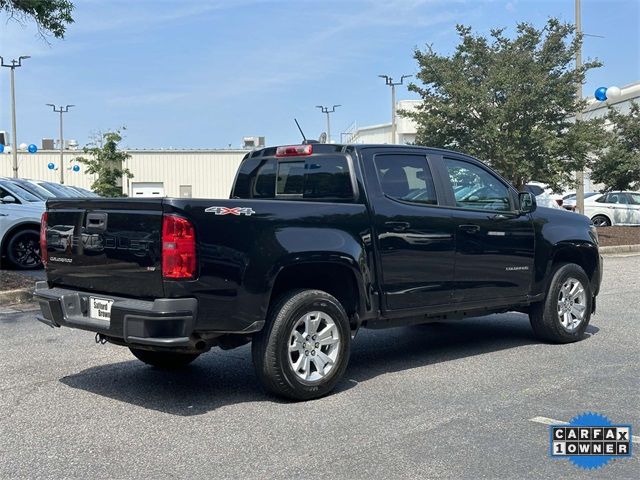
{"points": [[315, 241]]}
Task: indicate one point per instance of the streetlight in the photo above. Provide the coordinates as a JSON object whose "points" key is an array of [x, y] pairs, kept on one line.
{"points": [[61, 110], [389, 81], [326, 110], [13, 65], [580, 173]]}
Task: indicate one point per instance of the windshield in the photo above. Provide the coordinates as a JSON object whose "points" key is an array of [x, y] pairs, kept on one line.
{"points": [[20, 192], [58, 191], [34, 189]]}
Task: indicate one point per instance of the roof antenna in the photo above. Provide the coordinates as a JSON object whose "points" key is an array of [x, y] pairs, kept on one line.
{"points": [[301, 132]]}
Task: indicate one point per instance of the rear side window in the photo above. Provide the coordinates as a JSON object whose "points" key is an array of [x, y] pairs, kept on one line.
{"points": [[314, 178], [634, 198], [406, 177]]}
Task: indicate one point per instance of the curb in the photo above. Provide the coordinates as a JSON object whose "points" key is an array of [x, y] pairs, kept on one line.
{"points": [[20, 295], [620, 249]]}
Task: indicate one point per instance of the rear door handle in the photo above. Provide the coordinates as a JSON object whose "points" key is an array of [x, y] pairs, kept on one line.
{"points": [[470, 228], [398, 226]]}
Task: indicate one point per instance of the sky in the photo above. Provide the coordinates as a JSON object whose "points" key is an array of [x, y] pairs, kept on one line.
{"points": [[205, 73]]}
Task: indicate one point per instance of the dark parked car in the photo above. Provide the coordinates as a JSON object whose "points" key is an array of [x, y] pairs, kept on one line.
{"points": [[316, 242]]}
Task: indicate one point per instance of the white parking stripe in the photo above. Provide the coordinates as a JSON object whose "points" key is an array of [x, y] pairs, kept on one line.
{"points": [[551, 421]]}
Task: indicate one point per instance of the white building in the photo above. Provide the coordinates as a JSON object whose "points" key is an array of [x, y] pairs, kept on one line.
{"points": [[173, 173], [406, 128]]}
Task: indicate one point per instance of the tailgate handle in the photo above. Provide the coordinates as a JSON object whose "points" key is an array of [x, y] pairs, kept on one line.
{"points": [[96, 221]]}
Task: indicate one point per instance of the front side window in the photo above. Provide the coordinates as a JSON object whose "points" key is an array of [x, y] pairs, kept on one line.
{"points": [[476, 188], [4, 193], [406, 177]]}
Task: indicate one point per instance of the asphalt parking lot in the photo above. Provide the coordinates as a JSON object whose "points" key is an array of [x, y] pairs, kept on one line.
{"points": [[438, 401]]}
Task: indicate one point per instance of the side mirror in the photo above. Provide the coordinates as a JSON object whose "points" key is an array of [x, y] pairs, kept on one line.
{"points": [[8, 199], [527, 202]]}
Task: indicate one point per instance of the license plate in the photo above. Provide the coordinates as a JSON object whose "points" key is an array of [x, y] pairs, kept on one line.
{"points": [[100, 308]]}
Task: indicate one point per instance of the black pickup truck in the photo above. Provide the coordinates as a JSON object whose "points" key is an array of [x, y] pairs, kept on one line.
{"points": [[316, 241]]}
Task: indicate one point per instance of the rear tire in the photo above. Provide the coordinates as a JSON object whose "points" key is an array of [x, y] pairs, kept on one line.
{"points": [[303, 350], [601, 221], [164, 360], [564, 315], [23, 250]]}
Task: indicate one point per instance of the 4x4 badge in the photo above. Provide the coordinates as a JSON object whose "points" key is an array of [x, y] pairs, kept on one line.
{"points": [[230, 211]]}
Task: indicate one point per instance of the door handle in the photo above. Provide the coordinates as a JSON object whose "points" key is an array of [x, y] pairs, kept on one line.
{"points": [[470, 228], [96, 221], [398, 226]]}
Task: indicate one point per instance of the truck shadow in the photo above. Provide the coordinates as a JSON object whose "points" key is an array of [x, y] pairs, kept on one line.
{"points": [[221, 378]]}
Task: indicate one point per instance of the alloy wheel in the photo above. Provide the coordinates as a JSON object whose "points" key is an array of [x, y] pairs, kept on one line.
{"points": [[572, 304], [314, 346]]}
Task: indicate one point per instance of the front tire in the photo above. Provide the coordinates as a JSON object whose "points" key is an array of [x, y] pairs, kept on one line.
{"points": [[23, 250], [164, 360], [303, 350], [564, 315]]}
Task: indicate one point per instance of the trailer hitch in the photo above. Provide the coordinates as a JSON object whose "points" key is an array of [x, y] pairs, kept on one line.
{"points": [[101, 339]]}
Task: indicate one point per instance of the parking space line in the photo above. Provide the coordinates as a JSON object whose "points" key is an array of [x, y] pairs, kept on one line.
{"points": [[551, 421]]}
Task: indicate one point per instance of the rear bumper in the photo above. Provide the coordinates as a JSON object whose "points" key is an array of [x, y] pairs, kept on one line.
{"points": [[163, 322]]}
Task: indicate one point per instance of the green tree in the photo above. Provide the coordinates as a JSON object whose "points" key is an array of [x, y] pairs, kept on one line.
{"points": [[107, 163], [618, 168], [509, 101], [51, 16]]}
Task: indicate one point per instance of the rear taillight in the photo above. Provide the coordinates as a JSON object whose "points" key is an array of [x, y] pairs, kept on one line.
{"points": [[44, 254], [178, 248]]}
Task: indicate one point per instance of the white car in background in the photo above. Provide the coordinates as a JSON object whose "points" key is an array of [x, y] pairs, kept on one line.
{"points": [[538, 188], [543, 198], [20, 214], [613, 208], [569, 201]]}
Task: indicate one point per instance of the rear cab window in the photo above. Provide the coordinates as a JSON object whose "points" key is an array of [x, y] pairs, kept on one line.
{"points": [[315, 178]]}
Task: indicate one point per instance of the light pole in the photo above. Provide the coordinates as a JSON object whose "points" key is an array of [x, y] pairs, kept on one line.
{"points": [[580, 173], [326, 110], [389, 81], [61, 110], [14, 149]]}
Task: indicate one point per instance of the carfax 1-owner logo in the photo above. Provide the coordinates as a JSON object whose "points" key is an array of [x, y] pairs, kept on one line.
{"points": [[590, 440]]}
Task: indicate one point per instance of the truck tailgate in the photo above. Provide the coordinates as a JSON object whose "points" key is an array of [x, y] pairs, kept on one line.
{"points": [[106, 245]]}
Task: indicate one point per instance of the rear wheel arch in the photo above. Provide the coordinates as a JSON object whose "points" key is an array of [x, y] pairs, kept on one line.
{"points": [[337, 279], [4, 241]]}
